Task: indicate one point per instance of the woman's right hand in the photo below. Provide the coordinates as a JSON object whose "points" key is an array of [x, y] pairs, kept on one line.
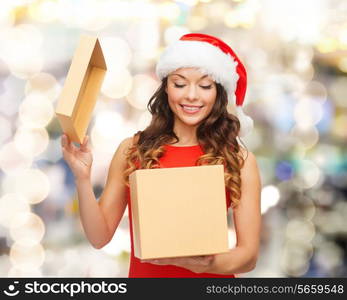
{"points": [[79, 159]]}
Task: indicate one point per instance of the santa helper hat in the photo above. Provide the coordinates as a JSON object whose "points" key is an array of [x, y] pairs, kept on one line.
{"points": [[213, 57]]}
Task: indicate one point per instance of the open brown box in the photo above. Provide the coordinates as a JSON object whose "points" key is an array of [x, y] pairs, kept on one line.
{"points": [[82, 85], [179, 211]]}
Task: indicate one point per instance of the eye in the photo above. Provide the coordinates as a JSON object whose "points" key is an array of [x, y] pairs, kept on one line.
{"points": [[206, 87], [179, 85]]}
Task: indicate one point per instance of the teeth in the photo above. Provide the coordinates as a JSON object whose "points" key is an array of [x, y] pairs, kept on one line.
{"points": [[191, 108]]}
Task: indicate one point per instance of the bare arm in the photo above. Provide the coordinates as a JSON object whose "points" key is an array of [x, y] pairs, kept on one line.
{"points": [[99, 219], [247, 220]]}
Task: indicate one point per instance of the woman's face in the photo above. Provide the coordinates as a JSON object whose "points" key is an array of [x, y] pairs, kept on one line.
{"points": [[191, 95]]}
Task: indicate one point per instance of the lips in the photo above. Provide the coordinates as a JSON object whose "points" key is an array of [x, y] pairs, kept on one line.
{"points": [[191, 109]]}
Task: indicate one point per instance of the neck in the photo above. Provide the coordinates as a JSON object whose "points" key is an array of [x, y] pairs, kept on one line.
{"points": [[186, 133]]}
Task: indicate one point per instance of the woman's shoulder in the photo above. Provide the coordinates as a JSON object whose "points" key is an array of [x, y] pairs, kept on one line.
{"points": [[250, 161], [129, 141]]}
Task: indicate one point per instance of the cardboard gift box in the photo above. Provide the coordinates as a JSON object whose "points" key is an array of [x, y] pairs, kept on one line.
{"points": [[179, 211], [81, 88]]}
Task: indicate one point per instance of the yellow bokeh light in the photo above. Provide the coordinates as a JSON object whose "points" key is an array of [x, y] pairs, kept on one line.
{"points": [[342, 64], [36, 111], [197, 23], [328, 44], [45, 11]]}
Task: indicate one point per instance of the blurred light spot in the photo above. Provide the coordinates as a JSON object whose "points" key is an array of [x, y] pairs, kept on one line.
{"points": [[329, 256], [338, 90], [269, 197], [303, 59], [108, 131], [305, 137], [10, 205], [44, 11], [45, 84], [116, 51], [11, 160], [144, 120], [285, 19], [27, 229], [31, 141], [284, 170], [22, 50], [117, 83], [143, 88], [342, 64], [6, 131], [189, 2], [33, 184], [339, 126], [300, 230], [307, 112], [327, 44], [36, 111], [197, 23], [7, 17], [316, 91], [27, 257], [169, 11], [309, 175], [295, 258]]}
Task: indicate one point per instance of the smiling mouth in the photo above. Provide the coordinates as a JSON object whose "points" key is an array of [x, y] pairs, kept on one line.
{"points": [[191, 109]]}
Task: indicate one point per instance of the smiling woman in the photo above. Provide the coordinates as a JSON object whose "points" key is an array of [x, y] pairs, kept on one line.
{"points": [[190, 96], [190, 127]]}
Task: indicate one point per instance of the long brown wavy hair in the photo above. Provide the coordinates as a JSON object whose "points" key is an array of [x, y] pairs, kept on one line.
{"points": [[217, 135]]}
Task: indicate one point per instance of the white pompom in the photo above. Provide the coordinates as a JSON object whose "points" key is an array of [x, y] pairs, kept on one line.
{"points": [[246, 122]]}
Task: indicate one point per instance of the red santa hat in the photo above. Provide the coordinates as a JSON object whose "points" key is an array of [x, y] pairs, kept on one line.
{"points": [[213, 57]]}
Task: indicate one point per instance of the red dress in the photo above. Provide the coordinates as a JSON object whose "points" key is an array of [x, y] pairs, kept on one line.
{"points": [[175, 156]]}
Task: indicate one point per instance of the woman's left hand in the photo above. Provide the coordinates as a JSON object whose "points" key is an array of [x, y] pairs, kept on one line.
{"points": [[197, 264]]}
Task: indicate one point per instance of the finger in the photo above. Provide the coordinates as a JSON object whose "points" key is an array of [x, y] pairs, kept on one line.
{"points": [[85, 144], [66, 142]]}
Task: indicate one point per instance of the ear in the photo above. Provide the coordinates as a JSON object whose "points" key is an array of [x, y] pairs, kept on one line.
{"points": [[166, 89]]}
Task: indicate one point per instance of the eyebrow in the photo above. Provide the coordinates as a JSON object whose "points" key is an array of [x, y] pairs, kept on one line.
{"points": [[186, 78]]}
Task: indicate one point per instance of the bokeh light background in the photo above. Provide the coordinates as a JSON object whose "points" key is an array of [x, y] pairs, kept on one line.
{"points": [[295, 54]]}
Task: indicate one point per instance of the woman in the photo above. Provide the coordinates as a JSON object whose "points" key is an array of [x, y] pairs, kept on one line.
{"points": [[190, 126]]}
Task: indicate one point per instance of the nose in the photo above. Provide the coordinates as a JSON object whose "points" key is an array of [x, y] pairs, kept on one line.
{"points": [[192, 93]]}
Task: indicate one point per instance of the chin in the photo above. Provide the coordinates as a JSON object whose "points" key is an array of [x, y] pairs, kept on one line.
{"points": [[190, 122]]}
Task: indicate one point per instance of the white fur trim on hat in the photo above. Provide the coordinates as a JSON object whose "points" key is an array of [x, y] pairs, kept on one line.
{"points": [[208, 58]]}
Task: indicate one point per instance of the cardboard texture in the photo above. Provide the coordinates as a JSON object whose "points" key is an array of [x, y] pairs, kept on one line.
{"points": [[82, 85], [179, 211]]}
